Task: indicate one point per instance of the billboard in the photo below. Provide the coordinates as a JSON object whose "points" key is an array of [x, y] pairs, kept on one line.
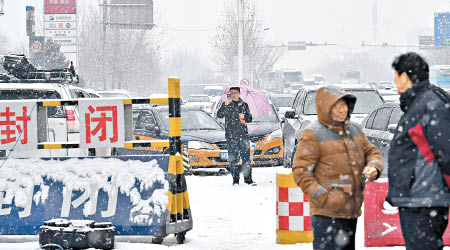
{"points": [[130, 14], [30, 20], [60, 6], [442, 29], [60, 25]]}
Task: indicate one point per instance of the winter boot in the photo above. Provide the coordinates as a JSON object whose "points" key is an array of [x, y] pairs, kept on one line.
{"points": [[235, 180], [247, 171]]}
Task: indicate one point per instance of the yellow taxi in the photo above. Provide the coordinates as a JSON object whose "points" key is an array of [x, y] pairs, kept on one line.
{"points": [[202, 136]]}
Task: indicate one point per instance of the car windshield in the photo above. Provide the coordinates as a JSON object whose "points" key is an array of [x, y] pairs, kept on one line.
{"points": [[267, 117], [366, 101], [282, 101], [213, 92], [292, 76], [198, 99], [17, 94], [191, 120]]}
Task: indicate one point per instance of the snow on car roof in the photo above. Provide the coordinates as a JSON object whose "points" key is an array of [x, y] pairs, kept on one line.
{"points": [[29, 85], [214, 87], [343, 86]]}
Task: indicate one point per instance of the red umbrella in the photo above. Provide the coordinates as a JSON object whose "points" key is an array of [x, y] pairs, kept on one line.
{"points": [[256, 100]]}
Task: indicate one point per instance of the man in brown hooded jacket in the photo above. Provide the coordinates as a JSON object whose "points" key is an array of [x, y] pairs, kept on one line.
{"points": [[332, 162]]}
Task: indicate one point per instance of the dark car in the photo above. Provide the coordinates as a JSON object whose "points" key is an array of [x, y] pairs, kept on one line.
{"points": [[201, 134], [379, 127], [303, 113]]}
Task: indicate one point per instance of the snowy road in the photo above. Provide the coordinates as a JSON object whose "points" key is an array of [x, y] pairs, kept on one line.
{"points": [[226, 217]]}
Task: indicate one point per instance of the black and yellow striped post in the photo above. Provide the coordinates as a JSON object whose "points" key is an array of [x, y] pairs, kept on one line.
{"points": [[178, 196]]}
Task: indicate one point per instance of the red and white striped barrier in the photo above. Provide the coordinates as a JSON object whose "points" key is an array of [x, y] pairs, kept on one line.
{"points": [[293, 218]]}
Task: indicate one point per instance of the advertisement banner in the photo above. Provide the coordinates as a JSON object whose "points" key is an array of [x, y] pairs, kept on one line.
{"points": [[60, 33], [130, 192], [60, 25], [64, 41], [60, 7], [60, 17], [442, 29]]}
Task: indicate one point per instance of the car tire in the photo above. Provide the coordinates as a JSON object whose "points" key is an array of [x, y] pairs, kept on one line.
{"points": [[288, 164]]}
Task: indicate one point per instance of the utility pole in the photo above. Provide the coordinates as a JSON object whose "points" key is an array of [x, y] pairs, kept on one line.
{"points": [[240, 11], [105, 82], [2, 3]]}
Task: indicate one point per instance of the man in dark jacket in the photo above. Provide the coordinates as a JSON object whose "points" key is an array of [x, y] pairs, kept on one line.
{"points": [[419, 148], [237, 115]]}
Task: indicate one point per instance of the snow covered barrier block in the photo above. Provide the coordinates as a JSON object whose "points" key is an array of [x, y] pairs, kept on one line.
{"points": [[131, 192], [293, 218]]}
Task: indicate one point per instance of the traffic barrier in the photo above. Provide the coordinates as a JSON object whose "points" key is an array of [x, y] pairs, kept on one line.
{"points": [[293, 218], [381, 220], [140, 195]]}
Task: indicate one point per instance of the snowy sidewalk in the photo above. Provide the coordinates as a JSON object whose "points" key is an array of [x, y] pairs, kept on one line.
{"points": [[226, 217]]}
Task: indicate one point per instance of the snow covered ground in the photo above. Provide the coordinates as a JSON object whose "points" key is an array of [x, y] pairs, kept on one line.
{"points": [[226, 217]]}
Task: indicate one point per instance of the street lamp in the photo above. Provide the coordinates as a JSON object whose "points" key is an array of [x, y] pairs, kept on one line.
{"points": [[2, 12]]}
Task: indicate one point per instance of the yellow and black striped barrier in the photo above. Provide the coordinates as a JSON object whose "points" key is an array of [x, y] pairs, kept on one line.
{"points": [[178, 194], [179, 217]]}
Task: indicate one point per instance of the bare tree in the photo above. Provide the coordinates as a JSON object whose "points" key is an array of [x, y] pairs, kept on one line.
{"points": [[374, 65], [130, 60], [260, 57]]}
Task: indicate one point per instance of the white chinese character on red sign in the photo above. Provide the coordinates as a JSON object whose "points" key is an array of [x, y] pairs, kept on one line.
{"points": [[9, 126], [101, 121]]}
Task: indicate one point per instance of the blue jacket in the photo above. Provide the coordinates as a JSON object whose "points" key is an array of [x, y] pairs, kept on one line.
{"points": [[420, 144]]}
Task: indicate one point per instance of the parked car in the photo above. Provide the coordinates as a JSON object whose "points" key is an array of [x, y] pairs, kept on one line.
{"points": [[282, 102], [203, 136], [303, 113], [201, 101], [385, 85], [80, 92], [265, 133], [389, 95], [379, 127]]}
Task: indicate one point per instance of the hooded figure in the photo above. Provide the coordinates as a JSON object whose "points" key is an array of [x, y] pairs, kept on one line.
{"points": [[332, 161]]}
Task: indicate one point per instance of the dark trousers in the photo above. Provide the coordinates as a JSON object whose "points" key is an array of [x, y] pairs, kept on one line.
{"points": [[239, 147], [333, 233], [423, 227]]}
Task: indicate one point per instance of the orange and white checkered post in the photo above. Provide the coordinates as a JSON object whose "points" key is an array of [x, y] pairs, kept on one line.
{"points": [[293, 218]]}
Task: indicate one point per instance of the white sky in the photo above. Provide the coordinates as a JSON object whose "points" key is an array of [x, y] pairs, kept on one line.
{"points": [[346, 22]]}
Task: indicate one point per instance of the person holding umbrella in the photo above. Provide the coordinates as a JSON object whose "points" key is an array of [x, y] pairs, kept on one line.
{"points": [[237, 115]]}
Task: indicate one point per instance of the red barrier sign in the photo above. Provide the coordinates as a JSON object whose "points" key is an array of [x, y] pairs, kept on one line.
{"points": [[381, 220], [100, 126], [17, 124]]}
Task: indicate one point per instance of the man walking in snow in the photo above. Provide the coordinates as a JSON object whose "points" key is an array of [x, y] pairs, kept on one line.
{"points": [[419, 150], [332, 161], [237, 115]]}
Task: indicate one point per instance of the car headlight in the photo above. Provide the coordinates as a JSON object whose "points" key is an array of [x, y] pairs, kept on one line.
{"points": [[199, 145], [275, 135]]}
